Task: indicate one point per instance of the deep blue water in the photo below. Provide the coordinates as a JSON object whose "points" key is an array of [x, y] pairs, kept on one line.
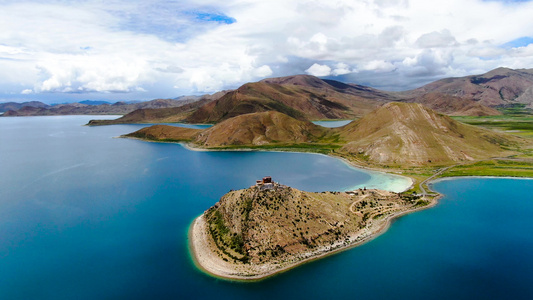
{"points": [[86, 216]]}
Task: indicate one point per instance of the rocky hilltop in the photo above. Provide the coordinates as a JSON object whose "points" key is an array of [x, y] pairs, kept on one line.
{"points": [[255, 232]]}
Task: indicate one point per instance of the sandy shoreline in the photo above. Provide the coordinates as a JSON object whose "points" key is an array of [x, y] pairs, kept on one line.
{"points": [[207, 260]]}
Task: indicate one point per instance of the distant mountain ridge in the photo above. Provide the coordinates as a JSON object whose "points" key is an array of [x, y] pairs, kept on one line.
{"points": [[94, 102], [500, 86], [94, 108], [16, 105], [312, 98]]}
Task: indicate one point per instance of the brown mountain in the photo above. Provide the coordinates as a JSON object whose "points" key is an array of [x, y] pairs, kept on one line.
{"points": [[396, 134], [256, 129], [156, 115], [309, 97], [164, 133], [300, 97], [259, 129], [412, 134], [305, 96], [454, 106], [497, 87]]}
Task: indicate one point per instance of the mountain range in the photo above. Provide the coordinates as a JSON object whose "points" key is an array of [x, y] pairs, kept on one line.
{"points": [[393, 135], [312, 98], [309, 97], [87, 107]]}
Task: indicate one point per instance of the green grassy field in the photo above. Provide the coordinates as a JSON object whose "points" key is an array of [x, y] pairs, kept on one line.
{"points": [[495, 167], [516, 119], [315, 148]]}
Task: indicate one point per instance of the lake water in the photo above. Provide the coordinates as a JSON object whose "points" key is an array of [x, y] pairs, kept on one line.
{"points": [[86, 216], [332, 124]]}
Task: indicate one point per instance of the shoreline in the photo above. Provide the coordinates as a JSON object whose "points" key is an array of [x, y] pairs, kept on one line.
{"points": [[207, 261], [344, 160]]}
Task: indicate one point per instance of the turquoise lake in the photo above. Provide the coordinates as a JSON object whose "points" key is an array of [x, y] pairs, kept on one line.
{"points": [[84, 215]]}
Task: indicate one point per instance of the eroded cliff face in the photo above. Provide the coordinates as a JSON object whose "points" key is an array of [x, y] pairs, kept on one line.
{"points": [[273, 223]]}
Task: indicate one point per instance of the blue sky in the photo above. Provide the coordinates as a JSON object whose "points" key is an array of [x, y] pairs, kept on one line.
{"points": [[68, 50]]}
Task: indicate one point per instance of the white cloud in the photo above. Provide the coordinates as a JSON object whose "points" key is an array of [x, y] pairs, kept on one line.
{"points": [[26, 92], [159, 49], [319, 70], [263, 71], [341, 69], [378, 66], [436, 39]]}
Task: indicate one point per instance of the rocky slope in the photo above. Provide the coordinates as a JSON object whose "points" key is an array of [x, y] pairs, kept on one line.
{"points": [[454, 106], [260, 129], [262, 229], [299, 96], [498, 87], [165, 133], [266, 128], [411, 134]]}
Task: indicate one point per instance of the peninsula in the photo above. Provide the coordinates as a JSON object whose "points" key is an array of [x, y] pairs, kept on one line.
{"points": [[256, 232]]}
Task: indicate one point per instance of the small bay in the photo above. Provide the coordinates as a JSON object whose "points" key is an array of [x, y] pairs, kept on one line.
{"points": [[84, 215]]}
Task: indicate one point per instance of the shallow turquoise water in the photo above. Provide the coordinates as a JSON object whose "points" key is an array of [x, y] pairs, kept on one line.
{"points": [[87, 216], [332, 124]]}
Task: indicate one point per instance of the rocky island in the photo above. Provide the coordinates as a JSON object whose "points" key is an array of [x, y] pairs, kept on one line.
{"points": [[265, 229]]}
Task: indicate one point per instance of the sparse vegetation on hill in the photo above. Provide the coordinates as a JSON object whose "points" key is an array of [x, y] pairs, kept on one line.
{"points": [[267, 129], [301, 97], [498, 87], [165, 133], [260, 230], [395, 135], [454, 106], [403, 134]]}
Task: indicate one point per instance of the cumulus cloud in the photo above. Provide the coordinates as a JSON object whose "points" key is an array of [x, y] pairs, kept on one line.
{"points": [[262, 71], [436, 39], [341, 69], [166, 48], [319, 70], [378, 66]]}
